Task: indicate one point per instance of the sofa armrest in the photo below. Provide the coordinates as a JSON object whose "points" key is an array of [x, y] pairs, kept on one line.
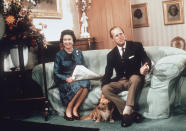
{"points": [[168, 68], [161, 94], [37, 75], [183, 90]]}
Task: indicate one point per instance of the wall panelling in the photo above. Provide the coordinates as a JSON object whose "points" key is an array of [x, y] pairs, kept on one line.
{"points": [[107, 13]]}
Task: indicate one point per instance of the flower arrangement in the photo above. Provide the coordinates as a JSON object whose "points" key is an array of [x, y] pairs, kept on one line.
{"points": [[19, 28]]}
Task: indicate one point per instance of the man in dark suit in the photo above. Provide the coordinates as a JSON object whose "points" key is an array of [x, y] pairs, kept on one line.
{"points": [[131, 64]]}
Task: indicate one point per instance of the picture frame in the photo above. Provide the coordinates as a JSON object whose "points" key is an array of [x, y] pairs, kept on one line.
{"points": [[139, 15], [173, 12], [50, 9]]}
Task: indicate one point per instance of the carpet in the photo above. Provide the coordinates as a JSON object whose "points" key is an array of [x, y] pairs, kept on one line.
{"points": [[19, 125], [176, 122]]}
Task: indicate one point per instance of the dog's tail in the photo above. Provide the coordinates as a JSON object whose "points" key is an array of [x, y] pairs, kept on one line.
{"points": [[87, 117]]}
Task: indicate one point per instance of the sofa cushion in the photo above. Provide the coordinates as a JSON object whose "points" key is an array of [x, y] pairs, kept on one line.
{"points": [[96, 60]]}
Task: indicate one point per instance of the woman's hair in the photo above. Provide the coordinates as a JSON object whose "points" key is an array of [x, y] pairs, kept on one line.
{"points": [[67, 32]]}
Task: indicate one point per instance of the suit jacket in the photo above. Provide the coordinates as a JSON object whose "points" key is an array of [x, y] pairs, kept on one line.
{"points": [[134, 57]]}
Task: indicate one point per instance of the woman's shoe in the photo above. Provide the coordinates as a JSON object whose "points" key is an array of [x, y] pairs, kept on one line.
{"points": [[76, 117], [68, 118]]}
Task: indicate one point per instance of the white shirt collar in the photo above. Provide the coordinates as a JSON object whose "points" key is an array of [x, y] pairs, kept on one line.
{"points": [[120, 48]]}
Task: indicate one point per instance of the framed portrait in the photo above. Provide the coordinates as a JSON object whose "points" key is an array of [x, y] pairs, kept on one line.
{"points": [[139, 15], [48, 9], [173, 12]]}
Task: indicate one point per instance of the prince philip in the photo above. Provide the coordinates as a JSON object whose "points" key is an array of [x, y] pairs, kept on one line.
{"points": [[131, 64]]}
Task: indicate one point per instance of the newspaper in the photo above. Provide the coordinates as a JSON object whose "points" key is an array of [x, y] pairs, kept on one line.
{"points": [[82, 73]]}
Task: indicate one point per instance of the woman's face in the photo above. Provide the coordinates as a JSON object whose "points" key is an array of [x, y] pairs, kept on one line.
{"points": [[68, 41]]}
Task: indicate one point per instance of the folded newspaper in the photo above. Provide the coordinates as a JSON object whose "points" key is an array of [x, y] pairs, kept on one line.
{"points": [[82, 73]]}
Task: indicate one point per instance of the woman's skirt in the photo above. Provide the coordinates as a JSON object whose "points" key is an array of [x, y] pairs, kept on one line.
{"points": [[69, 90]]}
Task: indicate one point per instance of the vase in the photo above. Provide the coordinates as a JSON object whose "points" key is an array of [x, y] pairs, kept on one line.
{"points": [[14, 54]]}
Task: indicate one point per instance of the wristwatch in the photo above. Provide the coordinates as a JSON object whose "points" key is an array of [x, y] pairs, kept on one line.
{"points": [[2, 26]]}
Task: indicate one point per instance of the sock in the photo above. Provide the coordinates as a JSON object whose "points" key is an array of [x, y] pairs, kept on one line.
{"points": [[127, 110]]}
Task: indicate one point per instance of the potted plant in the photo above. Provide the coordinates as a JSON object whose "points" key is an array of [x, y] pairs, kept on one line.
{"points": [[19, 30]]}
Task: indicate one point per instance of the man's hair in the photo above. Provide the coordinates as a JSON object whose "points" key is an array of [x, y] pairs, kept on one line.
{"points": [[68, 32], [114, 27]]}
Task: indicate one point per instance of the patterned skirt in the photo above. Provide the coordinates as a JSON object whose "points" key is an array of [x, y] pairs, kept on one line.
{"points": [[69, 90]]}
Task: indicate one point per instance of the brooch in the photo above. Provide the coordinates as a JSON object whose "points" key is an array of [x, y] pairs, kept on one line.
{"points": [[77, 52]]}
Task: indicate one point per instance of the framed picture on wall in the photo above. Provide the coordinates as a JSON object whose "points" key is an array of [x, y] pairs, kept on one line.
{"points": [[173, 12], [50, 9], [139, 15]]}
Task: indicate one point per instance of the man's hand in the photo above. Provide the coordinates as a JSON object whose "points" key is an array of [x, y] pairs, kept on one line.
{"points": [[101, 75], [144, 69], [69, 80]]}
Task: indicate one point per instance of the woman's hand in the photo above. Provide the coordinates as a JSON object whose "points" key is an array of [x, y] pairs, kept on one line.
{"points": [[69, 80]]}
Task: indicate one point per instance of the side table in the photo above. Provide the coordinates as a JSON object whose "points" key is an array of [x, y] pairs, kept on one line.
{"points": [[22, 95]]}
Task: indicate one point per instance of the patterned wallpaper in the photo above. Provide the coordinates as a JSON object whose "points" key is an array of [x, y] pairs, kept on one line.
{"points": [[158, 33]]}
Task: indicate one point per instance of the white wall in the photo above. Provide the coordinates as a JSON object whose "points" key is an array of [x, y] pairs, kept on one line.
{"points": [[70, 20], [158, 33]]}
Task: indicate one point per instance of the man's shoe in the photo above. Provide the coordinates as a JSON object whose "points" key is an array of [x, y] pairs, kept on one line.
{"points": [[127, 120], [137, 117]]}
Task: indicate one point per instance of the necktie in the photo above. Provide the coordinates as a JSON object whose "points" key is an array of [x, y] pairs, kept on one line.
{"points": [[122, 57]]}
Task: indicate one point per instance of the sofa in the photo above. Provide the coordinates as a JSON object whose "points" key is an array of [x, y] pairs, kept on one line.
{"points": [[161, 92]]}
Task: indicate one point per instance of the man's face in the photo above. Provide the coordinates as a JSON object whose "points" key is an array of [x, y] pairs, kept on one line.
{"points": [[118, 36]]}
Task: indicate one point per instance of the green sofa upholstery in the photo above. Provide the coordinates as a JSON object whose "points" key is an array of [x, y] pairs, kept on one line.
{"points": [[161, 91]]}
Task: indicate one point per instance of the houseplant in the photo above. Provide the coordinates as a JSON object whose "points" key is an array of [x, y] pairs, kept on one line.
{"points": [[19, 29]]}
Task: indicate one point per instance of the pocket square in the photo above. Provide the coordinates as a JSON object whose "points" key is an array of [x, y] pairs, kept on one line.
{"points": [[131, 57]]}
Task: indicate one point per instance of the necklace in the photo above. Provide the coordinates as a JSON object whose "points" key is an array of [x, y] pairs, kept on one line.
{"points": [[69, 50]]}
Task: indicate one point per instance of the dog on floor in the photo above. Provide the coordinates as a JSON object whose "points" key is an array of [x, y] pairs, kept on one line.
{"points": [[102, 112]]}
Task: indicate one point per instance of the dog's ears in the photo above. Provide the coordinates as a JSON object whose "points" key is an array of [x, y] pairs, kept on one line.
{"points": [[102, 96]]}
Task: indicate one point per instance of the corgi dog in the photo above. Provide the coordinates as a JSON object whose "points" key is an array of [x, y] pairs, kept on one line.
{"points": [[102, 112]]}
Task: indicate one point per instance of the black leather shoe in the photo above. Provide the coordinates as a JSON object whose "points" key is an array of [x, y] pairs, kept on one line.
{"points": [[137, 117], [126, 120], [68, 118]]}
